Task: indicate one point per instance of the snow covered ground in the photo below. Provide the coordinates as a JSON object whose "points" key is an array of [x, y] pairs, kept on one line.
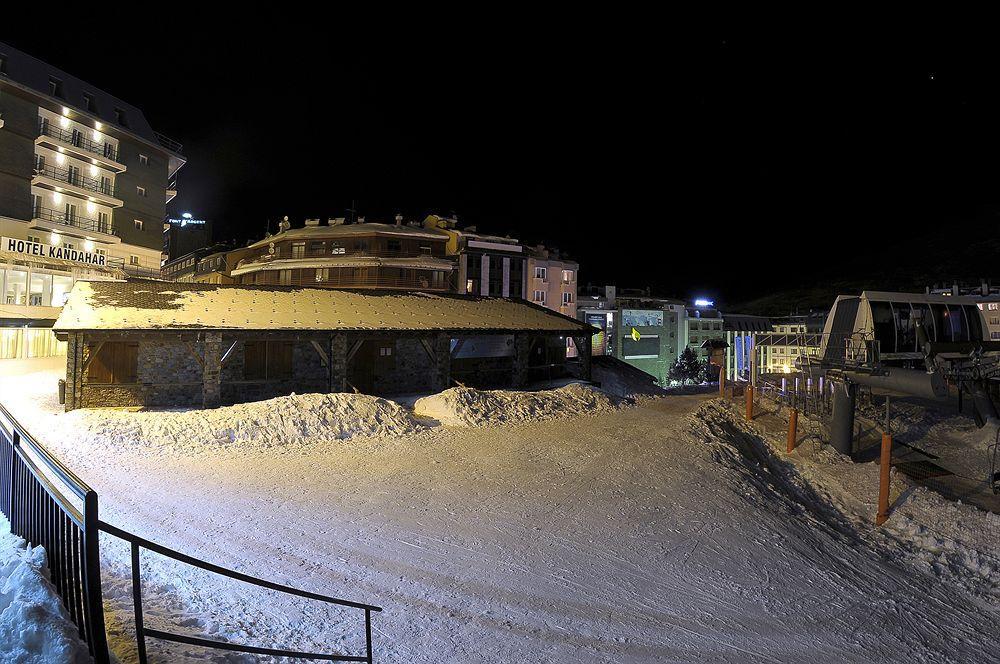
{"points": [[666, 531], [34, 625]]}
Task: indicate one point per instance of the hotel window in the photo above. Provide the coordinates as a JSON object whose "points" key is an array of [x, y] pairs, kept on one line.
{"points": [[133, 260], [138, 224], [140, 191], [106, 185], [394, 246], [539, 296], [316, 248], [120, 117], [992, 306], [103, 223], [567, 298], [425, 249], [540, 272], [322, 274], [55, 87], [298, 249], [40, 290], [285, 277], [69, 245], [88, 102], [34, 238], [15, 287], [61, 286], [143, 160], [113, 362]]}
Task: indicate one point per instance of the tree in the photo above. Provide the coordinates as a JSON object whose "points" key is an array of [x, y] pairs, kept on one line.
{"points": [[708, 372], [687, 367]]}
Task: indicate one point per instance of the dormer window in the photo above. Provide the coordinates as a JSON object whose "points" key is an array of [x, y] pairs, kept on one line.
{"points": [[120, 117], [55, 87], [88, 102]]}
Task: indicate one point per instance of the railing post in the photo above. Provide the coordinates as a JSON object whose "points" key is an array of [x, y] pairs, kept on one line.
{"points": [[368, 633], [793, 423], [140, 630], [749, 404], [92, 580], [15, 441]]}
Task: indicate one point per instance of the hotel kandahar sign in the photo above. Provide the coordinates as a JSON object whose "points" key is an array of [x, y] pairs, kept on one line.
{"points": [[40, 250]]}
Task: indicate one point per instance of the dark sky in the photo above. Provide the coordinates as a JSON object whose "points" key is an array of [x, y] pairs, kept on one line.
{"points": [[729, 163]]}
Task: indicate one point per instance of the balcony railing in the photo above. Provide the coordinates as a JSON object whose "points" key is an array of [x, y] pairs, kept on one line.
{"points": [[76, 179], [134, 270], [168, 143], [69, 219], [78, 139], [337, 278], [286, 253]]}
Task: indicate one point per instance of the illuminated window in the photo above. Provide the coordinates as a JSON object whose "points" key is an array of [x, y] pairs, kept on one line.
{"points": [[138, 224], [143, 160], [140, 191], [55, 87]]}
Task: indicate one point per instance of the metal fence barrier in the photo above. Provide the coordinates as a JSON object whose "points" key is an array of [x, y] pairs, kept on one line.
{"points": [[42, 513]]}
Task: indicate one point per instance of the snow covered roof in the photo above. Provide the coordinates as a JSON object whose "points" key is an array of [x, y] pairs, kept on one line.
{"points": [[351, 230], [150, 305]]}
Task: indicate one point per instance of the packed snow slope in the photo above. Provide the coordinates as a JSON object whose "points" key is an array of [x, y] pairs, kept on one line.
{"points": [[34, 625], [463, 406], [656, 533]]}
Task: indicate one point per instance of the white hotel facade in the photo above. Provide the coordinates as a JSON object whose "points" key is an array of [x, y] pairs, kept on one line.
{"points": [[84, 183]]}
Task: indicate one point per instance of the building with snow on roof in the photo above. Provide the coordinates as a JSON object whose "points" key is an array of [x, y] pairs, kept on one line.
{"points": [[155, 343]]}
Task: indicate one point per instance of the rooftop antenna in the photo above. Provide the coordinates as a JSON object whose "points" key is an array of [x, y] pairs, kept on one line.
{"points": [[351, 212]]}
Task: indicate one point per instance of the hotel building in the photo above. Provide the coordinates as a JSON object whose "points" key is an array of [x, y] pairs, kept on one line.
{"points": [[84, 183]]}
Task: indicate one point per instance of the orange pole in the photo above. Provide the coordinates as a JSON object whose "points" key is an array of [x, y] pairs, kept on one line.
{"points": [[749, 402], [722, 382], [883, 480], [793, 424]]}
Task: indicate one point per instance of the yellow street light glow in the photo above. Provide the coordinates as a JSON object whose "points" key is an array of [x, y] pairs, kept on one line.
{"points": [[60, 159], [88, 245], [57, 198], [91, 207], [97, 135], [98, 126], [55, 238], [63, 122], [93, 171], [65, 111]]}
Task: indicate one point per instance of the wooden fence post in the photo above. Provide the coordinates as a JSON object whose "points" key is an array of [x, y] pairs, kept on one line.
{"points": [[793, 423], [749, 393]]}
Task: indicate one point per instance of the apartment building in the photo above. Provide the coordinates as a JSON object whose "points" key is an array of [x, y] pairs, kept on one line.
{"points": [[340, 255], [701, 324], [485, 264], [552, 280], [84, 183]]}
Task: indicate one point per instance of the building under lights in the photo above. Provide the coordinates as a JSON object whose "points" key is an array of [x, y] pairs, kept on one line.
{"points": [[84, 183]]}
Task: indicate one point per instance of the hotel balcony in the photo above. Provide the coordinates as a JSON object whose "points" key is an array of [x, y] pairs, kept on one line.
{"points": [[58, 221], [75, 184], [76, 143]]}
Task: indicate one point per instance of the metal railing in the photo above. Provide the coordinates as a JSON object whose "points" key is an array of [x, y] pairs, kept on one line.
{"points": [[138, 543], [168, 143], [75, 178], [77, 139], [43, 514], [76, 221]]}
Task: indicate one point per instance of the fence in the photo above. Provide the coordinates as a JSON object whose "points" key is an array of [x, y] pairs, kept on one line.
{"points": [[24, 342], [40, 512]]}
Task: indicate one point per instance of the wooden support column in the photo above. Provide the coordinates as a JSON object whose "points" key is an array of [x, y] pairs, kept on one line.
{"points": [[442, 360], [522, 349], [211, 371]]}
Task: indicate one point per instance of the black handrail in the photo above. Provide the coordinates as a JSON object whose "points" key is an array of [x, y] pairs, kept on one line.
{"points": [[40, 512], [76, 221], [78, 139], [142, 632], [77, 180]]}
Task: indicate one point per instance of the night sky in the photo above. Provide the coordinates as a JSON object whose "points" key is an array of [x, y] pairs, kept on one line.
{"points": [[734, 165]]}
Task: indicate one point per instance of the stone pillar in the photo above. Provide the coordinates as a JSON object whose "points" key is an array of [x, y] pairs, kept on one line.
{"points": [[583, 349], [211, 394], [338, 362], [522, 347], [442, 361], [74, 370]]}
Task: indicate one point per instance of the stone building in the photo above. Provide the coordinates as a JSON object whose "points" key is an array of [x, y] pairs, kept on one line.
{"points": [[168, 344]]}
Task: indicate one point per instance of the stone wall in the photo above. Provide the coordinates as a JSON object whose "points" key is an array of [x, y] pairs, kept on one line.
{"points": [[308, 374]]}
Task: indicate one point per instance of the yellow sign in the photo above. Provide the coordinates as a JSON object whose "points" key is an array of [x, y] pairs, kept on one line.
{"points": [[635, 334]]}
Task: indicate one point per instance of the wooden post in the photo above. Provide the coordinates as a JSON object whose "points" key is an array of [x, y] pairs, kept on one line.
{"points": [[749, 394], [722, 382], [883, 480], [793, 424]]}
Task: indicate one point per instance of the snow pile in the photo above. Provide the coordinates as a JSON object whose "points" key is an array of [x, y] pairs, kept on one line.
{"points": [[279, 422], [463, 406], [34, 625]]}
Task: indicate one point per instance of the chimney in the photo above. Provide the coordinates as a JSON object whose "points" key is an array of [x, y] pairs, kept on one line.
{"points": [[312, 222], [399, 220]]}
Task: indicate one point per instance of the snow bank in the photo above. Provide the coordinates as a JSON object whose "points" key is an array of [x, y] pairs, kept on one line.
{"points": [[280, 422], [34, 625], [463, 406]]}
